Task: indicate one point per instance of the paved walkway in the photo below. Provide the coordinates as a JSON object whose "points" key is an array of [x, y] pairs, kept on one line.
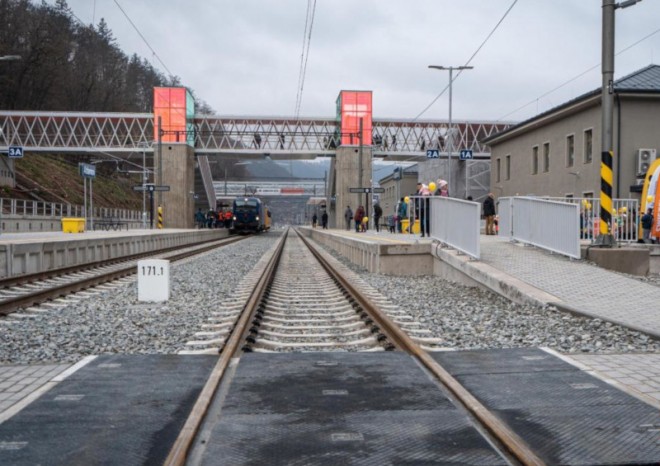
{"points": [[586, 288]]}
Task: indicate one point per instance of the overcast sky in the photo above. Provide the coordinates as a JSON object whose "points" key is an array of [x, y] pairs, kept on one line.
{"points": [[243, 56]]}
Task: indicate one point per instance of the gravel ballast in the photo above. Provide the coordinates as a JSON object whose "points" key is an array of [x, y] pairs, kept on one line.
{"points": [[464, 317], [115, 322]]}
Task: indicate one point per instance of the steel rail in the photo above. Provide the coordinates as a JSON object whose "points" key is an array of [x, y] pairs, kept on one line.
{"points": [[509, 439], [8, 306], [181, 447]]}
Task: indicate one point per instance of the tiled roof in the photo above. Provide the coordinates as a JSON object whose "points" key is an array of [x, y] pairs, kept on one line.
{"points": [[647, 79]]}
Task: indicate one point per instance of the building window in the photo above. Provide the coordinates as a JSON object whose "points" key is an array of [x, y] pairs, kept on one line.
{"points": [[498, 177], [588, 195], [570, 150], [588, 146], [535, 160], [546, 157], [508, 167]]}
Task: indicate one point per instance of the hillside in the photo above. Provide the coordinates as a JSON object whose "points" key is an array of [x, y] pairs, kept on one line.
{"points": [[56, 179]]}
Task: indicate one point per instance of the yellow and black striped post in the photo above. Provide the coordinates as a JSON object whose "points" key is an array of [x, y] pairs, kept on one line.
{"points": [[605, 237], [160, 217]]}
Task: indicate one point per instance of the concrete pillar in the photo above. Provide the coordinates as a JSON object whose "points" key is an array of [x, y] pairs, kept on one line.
{"points": [[347, 168], [178, 167]]}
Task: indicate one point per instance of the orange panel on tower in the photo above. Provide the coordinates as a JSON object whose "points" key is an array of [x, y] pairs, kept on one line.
{"points": [[170, 106]]}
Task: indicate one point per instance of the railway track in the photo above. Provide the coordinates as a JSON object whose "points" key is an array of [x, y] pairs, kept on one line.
{"points": [[301, 300], [29, 290]]}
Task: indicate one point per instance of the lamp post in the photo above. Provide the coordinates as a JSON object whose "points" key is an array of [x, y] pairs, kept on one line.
{"points": [[450, 141], [605, 237]]}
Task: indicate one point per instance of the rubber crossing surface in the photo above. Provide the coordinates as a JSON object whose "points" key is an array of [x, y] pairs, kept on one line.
{"points": [[567, 416], [117, 410], [340, 408]]}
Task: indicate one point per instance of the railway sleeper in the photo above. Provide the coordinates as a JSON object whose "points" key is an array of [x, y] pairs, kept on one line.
{"points": [[315, 335], [277, 344]]}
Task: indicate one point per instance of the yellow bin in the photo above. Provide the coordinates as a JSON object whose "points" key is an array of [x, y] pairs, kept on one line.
{"points": [[404, 226], [73, 225]]}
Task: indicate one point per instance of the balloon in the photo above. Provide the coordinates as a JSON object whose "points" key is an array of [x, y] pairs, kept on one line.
{"points": [[584, 202], [406, 199], [649, 199], [588, 206], [623, 210], [432, 187], [365, 219]]}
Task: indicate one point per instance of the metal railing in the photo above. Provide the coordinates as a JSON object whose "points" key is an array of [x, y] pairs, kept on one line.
{"points": [[456, 223], [26, 208], [547, 224], [505, 213], [625, 217]]}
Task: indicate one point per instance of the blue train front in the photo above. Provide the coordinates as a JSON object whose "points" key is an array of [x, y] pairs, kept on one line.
{"points": [[250, 215]]}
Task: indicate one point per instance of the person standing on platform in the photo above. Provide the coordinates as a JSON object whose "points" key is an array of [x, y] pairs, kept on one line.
{"points": [[378, 213], [314, 220], [324, 220], [489, 214], [359, 215], [423, 205], [348, 216], [647, 224], [199, 218], [401, 214]]}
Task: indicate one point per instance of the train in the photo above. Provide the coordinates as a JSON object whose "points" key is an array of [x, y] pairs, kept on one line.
{"points": [[250, 215]]}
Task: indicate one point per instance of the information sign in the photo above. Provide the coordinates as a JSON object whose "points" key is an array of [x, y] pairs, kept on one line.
{"points": [[432, 154], [153, 280], [466, 154], [15, 152]]}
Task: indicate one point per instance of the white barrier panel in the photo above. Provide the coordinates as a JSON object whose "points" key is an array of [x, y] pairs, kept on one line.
{"points": [[550, 225], [456, 223], [504, 213], [153, 280]]}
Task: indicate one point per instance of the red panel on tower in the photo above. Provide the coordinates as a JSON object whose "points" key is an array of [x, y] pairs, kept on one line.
{"points": [[351, 107]]}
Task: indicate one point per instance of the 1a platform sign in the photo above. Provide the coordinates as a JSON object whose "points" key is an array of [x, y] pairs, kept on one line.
{"points": [[466, 154]]}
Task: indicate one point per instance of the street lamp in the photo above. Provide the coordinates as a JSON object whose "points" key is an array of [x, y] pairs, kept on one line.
{"points": [[10, 58], [451, 135], [605, 237]]}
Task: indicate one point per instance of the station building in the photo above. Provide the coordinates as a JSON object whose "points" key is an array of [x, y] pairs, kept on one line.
{"points": [[557, 153]]}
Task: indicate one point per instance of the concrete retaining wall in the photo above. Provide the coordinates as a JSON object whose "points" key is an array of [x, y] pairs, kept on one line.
{"points": [[19, 258], [389, 259]]}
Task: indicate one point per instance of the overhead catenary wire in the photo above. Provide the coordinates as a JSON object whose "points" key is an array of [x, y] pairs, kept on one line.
{"points": [[302, 57], [576, 77], [143, 38], [506, 13], [306, 50]]}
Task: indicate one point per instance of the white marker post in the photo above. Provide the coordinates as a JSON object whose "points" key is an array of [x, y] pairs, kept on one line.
{"points": [[153, 280]]}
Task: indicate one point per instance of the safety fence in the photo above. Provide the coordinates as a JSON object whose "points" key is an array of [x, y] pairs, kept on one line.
{"points": [[547, 224], [453, 222], [625, 217], [27, 209]]}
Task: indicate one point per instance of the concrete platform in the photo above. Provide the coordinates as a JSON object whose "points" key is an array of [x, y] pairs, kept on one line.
{"points": [[24, 253], [124, 410]]}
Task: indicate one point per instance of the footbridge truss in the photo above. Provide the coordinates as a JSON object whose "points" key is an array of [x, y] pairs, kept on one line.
{"points": [[278, 137]]}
